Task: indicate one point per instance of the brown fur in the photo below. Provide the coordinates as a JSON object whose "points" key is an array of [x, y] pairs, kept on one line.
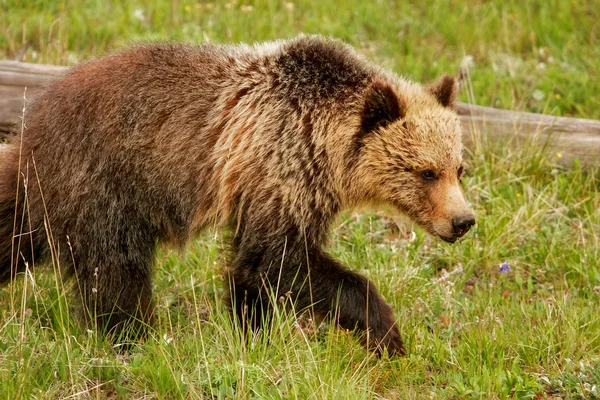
{"points": [[160, 141]]}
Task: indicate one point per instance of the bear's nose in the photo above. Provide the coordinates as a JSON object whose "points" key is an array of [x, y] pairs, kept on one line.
{"points": [[462, 223]]}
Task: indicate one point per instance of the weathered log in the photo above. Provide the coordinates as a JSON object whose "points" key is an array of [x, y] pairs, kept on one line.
{"points": [[574, 138], [15, 76], [571, 138]]}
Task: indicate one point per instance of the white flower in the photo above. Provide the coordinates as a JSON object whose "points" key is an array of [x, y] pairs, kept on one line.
{"points": [[73, 59], [468, 62], [542, 52], [538, 95], [138, 14]]}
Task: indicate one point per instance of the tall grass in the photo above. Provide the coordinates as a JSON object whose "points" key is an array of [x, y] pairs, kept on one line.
{"points": [[471, 331], [537, 55]]}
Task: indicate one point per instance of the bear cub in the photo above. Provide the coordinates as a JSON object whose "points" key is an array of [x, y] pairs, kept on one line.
{"points": [[273, 140]]}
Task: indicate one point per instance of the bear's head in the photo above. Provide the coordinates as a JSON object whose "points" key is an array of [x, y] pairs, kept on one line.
{"points": [[408, 153]]}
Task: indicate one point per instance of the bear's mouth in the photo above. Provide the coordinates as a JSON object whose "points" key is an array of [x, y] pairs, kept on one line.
{"points": [[449, 239]]}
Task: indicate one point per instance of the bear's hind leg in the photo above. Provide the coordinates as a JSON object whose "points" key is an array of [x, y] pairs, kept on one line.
{"points": [[114, 278], [117, 298]]}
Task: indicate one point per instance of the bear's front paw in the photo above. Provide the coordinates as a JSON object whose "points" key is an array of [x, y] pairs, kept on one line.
{"points": [[388, 341]]}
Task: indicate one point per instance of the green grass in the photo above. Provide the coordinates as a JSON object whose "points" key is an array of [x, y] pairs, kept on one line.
{"points": [[471, 331]]}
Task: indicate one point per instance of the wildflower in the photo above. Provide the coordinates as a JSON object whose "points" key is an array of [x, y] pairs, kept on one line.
{"points": [[538, 95], [558, 155], [467, 62], [73, 59], [504, 267], [557, 96], [138, 14]]}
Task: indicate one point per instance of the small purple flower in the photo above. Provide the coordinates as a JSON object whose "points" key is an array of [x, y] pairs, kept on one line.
{"points": [[504, 267]]}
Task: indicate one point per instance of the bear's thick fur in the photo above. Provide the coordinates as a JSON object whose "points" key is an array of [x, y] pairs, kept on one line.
{"points": [[273, 140]]}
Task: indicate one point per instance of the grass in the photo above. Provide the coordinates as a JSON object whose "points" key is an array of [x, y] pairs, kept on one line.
{"points": [[471, 331]]}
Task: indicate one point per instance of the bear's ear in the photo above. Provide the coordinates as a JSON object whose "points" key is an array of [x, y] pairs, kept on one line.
{"points": [[445, 91], [382, 106]]}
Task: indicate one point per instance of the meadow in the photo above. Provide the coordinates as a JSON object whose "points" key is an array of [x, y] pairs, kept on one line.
{"points": [[473, 329]]}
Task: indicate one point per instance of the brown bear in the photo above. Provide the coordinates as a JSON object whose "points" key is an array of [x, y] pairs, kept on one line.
{"points": [[157, 142]]}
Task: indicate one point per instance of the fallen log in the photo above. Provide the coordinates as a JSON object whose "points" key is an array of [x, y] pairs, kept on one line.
{"points": [[573, 138], [15, 76]]}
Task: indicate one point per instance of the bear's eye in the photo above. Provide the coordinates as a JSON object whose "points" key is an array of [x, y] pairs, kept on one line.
{"points": [[428, 175]]}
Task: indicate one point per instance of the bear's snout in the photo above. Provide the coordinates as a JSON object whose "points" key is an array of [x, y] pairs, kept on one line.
{"points": [[462, 223]]}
